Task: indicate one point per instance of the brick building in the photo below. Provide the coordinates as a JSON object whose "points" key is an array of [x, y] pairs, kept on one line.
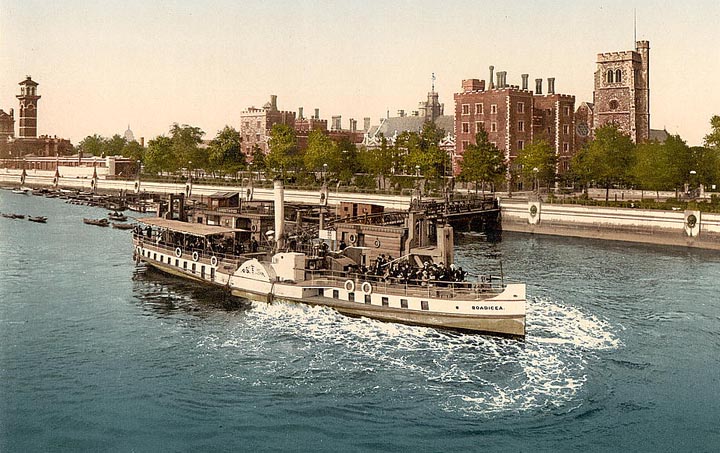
{"points": [[27, 142], [622, 91], [256, 124], [513, 116]]}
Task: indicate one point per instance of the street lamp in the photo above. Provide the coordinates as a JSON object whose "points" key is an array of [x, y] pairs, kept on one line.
{"points": [[536, 184], [691, 184], [324, 172]]}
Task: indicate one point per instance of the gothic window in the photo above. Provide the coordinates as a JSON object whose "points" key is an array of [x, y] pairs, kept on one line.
{"points": [[618, 76], [610, 76], [613, 105]]}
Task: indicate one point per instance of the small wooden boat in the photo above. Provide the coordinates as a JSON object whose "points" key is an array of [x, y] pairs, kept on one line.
{"points": [[97, 222], [118, 217], [9, 215], [22, 190], [123, 226], [38, 219]]}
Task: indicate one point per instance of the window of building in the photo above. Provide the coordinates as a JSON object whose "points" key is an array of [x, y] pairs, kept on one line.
{"points": [[466, 128], [466, 109], [336, 294], [465, 144], [478, 109], [567, 110], [566, 129], [257, 137], [618, 76], [521, 107], [610, 76], [403, 303], [613, 105], [177, 263], [566, 146], [493, 109], [351, 297], [368, 299], [493, 127], [521, 126], [185, 265], [424, 305], [246, 124], [493, 143], [521, 144], [258, 124], [385, 302], [479, 126]]}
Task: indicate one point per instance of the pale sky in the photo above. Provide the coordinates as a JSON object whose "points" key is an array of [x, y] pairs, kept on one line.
{"points": [[102, 65]]}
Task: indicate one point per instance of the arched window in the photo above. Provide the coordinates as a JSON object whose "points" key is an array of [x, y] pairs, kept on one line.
{"points": [[618, 76], [613, 105], [610, 76]]}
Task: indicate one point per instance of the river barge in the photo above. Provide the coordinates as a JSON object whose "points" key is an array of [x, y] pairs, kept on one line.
{"points": [[324, 271]]}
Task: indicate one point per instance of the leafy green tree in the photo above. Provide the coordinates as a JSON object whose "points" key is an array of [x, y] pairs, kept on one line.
{"points": [[284, 154], [114, 146], [160, 157], [482, 162], [258, 159], [133, 150], [712, 140], [651, 167], [538, 156], [608, 159], [348, 155], [706, 163], [380, 162], [225, 152], [423, 151], [92, 144], [321, 150], [185, 146]]}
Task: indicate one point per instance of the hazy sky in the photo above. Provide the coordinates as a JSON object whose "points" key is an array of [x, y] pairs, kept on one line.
{"points": [[102, 65]]}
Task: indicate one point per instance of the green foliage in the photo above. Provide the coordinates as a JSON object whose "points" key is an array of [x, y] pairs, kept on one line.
{"points": [[541, 156], [423, 151], [92, 144], [608, 159], [348, 154], [159, 156], [258, 159], [712, 140], [225, 152], [283, 155], [482, 161], [185, 146], [321, 150]]}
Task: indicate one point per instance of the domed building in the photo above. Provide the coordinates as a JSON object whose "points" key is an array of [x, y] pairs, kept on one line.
{"points": [[129, 136]]}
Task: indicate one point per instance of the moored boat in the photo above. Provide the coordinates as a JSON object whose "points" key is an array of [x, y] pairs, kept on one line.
{"points": [[97, 222], [335, 275], [37, 219], [123, 226], [117, 216]]}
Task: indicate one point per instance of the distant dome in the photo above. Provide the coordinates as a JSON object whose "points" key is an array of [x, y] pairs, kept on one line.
{"points": [[267, 106], [129, 136]]}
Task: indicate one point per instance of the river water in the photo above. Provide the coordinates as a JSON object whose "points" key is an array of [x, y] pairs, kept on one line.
{"points": [[96, 354]]}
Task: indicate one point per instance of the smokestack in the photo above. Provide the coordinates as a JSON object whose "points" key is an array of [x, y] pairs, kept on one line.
{"points": [[401, 113], [492, 85], [279, 194], [551, 85], [300, 113], [142, 142], [524, 81], [538, 86], [353, 125], [317, 114], [366, 123], [273, 101], [504, 79], [336, 123]]}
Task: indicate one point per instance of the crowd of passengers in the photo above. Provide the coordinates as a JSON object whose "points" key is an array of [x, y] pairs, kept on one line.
{"points": [[387, 269], [214, 245]]}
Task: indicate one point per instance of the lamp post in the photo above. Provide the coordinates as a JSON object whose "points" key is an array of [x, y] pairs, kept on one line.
{"points": [[536, 184], [324, 172], [691, 183]]}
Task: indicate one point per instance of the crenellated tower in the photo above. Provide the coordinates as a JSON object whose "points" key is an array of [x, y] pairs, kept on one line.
{"points": [[28, 97]]}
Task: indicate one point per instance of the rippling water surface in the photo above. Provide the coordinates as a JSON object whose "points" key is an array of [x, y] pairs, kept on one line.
{"points": [[96, 354]]}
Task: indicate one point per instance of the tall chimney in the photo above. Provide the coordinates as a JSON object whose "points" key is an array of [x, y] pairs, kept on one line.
{"points": [[142, 142], [300, 113], [317, 114], [273, 101], [366, 123], [353, 125], [538, 86], [499, 79], [504, 79], [279, 205], [492, 85], [551, 85], [524, 81]]}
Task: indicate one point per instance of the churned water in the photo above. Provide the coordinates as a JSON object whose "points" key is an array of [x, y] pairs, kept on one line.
{"points": [[622, 354]]}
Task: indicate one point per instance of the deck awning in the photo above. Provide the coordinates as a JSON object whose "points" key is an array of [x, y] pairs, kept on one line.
{"points": [[195, 229]]}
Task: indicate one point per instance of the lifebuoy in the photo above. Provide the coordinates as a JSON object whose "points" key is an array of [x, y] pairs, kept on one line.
{"points": [[178, 252], [352, 238], [349, 286], [377, 243], [253, 227], [195, 256], [213, 261], [367, 288]]}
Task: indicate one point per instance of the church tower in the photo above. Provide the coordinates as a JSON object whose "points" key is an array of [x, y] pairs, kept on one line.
{"points": [[28, 108], [622, 91]]}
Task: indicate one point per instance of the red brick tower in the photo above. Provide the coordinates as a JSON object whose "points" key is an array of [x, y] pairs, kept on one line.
{"points": [[28, 108]]}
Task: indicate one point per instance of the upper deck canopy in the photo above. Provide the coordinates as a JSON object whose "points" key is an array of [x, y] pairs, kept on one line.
{"points": [[195, 229]]}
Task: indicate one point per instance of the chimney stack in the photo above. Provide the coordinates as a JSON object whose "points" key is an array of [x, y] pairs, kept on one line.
{"points": [[366, 123], [492, 85], [317, 114], [300, 113], [336, 123], [273, 101], [353, 125], [524, 81], [401, 113], [551, 85], [538, 86]]}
